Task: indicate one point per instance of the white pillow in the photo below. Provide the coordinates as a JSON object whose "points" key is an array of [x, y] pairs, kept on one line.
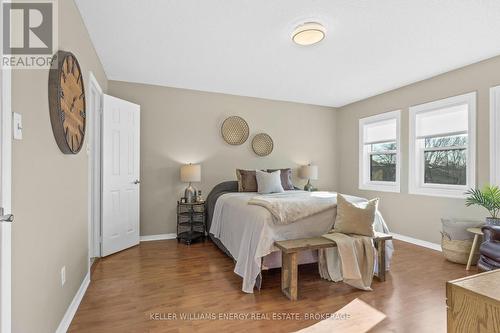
{"points": [[269, 182]]}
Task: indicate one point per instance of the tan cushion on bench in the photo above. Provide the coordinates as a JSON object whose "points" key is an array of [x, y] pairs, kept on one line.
{"points": [[354, 219]]}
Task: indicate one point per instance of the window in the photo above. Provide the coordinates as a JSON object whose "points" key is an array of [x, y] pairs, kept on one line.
{"points": [[442, 146], [495, 135], [379, 152]]}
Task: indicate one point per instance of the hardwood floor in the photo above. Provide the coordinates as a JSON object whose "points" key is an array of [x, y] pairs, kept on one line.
{"points": [[163, 277]]}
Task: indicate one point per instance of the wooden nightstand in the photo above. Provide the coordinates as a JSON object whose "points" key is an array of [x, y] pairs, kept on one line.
{"points": [[190, 221]]}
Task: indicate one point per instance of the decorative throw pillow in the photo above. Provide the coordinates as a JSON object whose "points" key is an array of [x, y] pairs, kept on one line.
{"points": [[247, 182], [355, 219], [286, 178], [269, 182]]}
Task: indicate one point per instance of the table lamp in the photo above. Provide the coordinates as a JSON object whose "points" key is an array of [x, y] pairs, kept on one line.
{"points": [[190, 173], [309, 172]]}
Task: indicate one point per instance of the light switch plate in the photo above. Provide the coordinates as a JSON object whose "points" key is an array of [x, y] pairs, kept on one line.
{"points": [[17, 121], [63, 275]]}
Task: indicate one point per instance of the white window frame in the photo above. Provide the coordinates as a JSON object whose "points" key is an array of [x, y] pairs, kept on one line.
{"points": [[416, 183], [495, 135], [365, 183]]}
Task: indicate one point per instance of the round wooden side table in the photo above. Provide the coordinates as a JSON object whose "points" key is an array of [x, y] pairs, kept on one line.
{"points": [[477, 234]]}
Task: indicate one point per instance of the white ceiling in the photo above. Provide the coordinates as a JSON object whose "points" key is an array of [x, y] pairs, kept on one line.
{"points": [[244, 48]]}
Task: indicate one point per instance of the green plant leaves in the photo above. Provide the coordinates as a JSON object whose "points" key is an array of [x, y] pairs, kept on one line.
{"points": [[488, 197]]}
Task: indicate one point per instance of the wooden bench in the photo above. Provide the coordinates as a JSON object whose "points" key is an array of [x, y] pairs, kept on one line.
{"points": [[290, 249]]}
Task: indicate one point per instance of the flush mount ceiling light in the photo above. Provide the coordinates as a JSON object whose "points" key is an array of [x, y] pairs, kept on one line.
{"points": [[309, 33]]}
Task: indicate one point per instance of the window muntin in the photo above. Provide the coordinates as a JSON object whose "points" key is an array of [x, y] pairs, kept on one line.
{"points": [[379, 152], [442, 146]]}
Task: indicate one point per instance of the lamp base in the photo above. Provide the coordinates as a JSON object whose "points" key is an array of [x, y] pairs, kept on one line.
{"points": [[190, 194], [308, 186]]}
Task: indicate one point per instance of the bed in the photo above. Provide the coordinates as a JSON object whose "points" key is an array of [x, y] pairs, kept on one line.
{"points": [[247, 233]]}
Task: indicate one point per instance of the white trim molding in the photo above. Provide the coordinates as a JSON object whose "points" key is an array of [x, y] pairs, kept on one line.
{"points": [[419, 242], [5, 192], [73, 306], [94, 170], [495, 135], [365, 183], [149, 238], [416, 179]]}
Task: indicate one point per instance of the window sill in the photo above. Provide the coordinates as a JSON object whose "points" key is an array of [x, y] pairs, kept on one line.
{"points": [[393, 187], [442, 193]]}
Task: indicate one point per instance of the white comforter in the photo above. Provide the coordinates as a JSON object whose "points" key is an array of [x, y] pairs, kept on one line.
{"points": [[249, 232]]}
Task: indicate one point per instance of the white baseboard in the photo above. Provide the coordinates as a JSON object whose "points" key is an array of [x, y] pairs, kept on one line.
{"points": [[70, 312], [158, 237], [419, 242]]}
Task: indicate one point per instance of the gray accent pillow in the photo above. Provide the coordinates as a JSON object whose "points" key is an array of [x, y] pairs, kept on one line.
{"points": [[268, 182], [286, 178], [456, 228], [355, 219]]}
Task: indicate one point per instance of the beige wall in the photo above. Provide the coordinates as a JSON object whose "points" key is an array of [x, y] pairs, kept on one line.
{"points": [[180, 126], [49, 194], [413, 215]]}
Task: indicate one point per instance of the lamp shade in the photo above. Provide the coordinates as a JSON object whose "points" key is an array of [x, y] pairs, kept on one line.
{"points": [[191, 173], [308, 172]]}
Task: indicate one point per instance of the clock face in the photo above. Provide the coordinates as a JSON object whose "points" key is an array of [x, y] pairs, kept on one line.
{"points": [[67, 103]]}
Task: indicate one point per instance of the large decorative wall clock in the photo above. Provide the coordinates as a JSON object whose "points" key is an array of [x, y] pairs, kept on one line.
{"points": [[67, 102]]}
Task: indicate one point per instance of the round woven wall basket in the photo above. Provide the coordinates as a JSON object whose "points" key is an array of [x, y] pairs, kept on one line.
{"points": [[235, 130], [262, 144]]}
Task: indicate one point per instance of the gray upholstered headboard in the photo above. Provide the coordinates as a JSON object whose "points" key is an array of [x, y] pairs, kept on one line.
{"points": [[217, 191]]}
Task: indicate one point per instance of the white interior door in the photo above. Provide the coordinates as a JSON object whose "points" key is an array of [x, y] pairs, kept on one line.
{"points": [[5, 193], [120, 174]]}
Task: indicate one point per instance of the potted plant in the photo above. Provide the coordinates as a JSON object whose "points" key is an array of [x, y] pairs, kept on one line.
{"points": [[489, 198]]}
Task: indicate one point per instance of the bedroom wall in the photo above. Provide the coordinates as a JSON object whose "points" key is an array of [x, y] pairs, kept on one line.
{"points": [[179, 126], [49, 194], [415, 215]]}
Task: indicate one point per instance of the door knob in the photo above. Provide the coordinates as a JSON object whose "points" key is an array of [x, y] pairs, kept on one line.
{"points": [[7, 217], [137, 181]]}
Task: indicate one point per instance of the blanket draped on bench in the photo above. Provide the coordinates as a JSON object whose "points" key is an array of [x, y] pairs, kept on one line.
{"points": [[352, 261]]}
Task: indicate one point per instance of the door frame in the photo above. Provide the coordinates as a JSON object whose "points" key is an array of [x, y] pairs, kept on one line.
{"points": [[495, 135], [5, 192], [95, 166]]}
